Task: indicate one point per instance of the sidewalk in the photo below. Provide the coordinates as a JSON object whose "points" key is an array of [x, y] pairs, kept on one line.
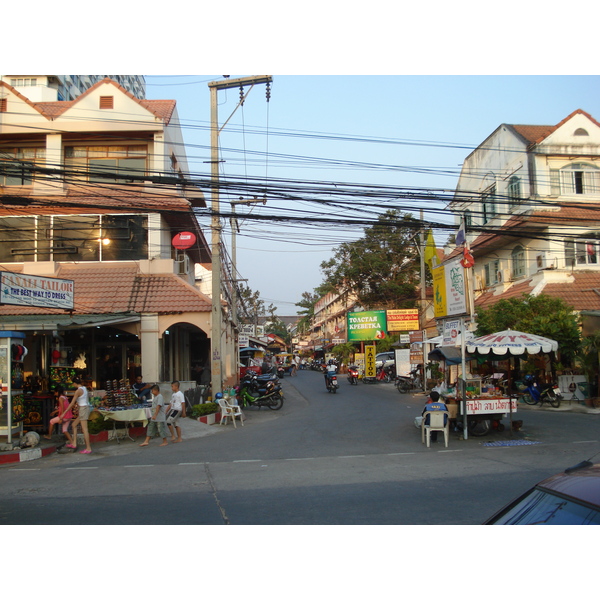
{"points": [[190, 428]]}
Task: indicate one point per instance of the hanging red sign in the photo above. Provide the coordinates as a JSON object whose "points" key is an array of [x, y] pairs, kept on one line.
{"points": [[184, 240]]}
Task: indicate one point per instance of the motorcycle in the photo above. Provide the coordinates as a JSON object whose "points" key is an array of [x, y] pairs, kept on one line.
{"points": [[407, 384], [331, 382], [353, 375], [255, 392], [535, 394]]}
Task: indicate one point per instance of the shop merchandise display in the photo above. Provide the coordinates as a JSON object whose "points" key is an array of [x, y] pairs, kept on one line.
{"points": [[119, 396]]}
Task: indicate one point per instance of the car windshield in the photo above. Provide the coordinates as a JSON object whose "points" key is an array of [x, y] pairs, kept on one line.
{"points": [[541, 508]]}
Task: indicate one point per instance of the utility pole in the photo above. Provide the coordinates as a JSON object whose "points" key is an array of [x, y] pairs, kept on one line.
{"points": [[217, 311]]}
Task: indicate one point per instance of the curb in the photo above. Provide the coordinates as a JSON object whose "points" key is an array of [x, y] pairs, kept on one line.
{"points": [[26, 455]]}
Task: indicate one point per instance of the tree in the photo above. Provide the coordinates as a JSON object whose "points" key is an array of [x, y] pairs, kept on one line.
{"points": [[541, 315], [381, 268]]}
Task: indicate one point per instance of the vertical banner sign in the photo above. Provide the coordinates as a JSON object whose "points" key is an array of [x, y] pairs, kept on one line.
{"points": [[456, 290], [367, 326], [449, 290], [439, 292], [370, 369]]}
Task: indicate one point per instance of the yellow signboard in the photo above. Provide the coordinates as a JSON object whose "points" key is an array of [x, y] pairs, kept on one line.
{"points": [[439, 292], [403, 320], [370, 369]]}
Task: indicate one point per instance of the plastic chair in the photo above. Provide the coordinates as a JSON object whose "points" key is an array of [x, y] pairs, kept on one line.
{"points": [[438, 421], [230, 411]]}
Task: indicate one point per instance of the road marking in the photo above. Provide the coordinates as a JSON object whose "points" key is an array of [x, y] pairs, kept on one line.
{"points": [[449, 450], [136, 466], [80, 468], [308, 458], [25, 469], [586, 442], [353, 456], [248, 460], [400, 453], [195, 463]]}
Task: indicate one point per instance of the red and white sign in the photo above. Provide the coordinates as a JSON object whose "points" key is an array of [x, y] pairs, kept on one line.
{"points": [[481, 406]]}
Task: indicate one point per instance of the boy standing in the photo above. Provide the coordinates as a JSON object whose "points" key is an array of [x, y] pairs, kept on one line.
{"points": [[157, 423], [177, 405]]}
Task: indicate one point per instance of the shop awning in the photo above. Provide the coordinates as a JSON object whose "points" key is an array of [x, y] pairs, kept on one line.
{"points": [[450, 354], [61, 322]]}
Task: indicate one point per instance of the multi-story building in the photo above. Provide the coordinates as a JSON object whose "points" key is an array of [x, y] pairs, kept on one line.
{"points": [[94, 191], [48, 88], [530, 196]]}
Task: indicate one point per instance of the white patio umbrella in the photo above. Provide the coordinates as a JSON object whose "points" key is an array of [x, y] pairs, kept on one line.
{"points": [[511, 342]]}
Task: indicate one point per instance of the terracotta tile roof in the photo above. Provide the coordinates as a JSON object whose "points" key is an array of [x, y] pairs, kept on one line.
{"points": [[515, 291], [581, 290], [167, 294], [534, 134], [109, 198], [108, 288], [51, 110]]}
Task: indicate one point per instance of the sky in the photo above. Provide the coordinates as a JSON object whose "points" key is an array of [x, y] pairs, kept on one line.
{"points": [[393, 130]]}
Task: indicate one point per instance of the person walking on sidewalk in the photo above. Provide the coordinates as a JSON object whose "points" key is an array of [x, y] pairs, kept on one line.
{"points": [[63, 403], [81, 397], [176, 409], [157, 424]]}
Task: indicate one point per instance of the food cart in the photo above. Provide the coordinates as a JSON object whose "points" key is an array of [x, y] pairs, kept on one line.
{"points": [[486, 405]]}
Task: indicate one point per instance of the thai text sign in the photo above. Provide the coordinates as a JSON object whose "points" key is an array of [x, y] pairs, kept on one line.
{"points": [[482, 406], [32, 290], [449, 289], [403, 320], [366, 326]]}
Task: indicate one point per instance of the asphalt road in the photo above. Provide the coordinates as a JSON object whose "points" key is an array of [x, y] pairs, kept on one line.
{"points": [[349, 458]]}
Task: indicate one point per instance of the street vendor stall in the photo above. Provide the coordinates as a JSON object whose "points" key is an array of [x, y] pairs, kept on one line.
{"points": [[250, 360], [486, 405]]}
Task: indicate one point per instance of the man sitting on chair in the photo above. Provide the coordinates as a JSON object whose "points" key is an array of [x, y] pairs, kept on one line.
{"points": [[434, 402]]}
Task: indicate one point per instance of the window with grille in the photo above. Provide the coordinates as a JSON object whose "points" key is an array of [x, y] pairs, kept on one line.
{"points": [[106, 164], [518, 262], [74, 237], [17, 165], [491, 272], [578, 178], [514, 191], [488, 202]]}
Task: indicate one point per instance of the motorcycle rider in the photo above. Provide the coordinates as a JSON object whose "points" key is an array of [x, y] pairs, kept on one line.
{"points": [[330, 370]]}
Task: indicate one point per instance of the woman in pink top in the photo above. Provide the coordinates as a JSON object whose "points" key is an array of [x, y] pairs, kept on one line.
{"points": [[62, 406]]}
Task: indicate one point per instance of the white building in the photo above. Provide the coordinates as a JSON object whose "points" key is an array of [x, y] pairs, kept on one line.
{"points": [[530, 195]]}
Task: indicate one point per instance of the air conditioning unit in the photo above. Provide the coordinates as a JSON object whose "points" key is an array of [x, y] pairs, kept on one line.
{"points": [[504, 276], [545, 260]]}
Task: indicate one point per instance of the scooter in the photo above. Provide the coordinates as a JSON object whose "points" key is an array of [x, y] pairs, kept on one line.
{"points": [[353, 375], [253, 392], [535, 394], [331, 382]]}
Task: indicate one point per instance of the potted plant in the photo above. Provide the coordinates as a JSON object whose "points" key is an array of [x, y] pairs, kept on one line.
{"points": [[207, 412]]}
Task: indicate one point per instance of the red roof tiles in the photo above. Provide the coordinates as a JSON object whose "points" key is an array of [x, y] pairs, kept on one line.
{"points": [[581, 290]]}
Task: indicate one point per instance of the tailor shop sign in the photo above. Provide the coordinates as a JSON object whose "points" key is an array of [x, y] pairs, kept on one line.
{"points": [[31, 290], [367, 326]]}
